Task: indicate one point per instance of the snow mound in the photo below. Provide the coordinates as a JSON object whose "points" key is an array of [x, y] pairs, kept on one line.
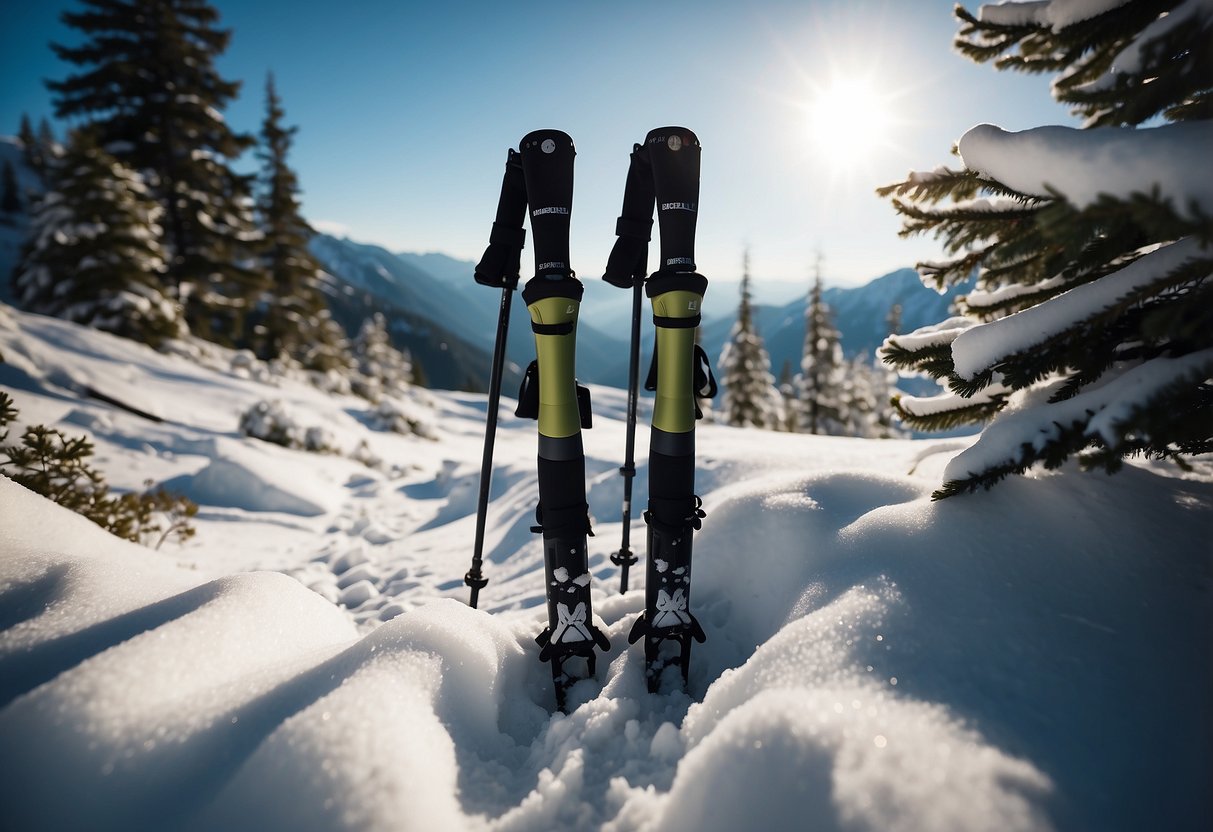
{"points": [[242, 476]]}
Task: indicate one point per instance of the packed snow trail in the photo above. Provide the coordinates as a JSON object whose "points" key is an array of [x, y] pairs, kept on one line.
{"points": [[1031, 657]]}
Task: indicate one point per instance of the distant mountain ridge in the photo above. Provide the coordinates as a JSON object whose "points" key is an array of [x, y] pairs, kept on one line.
{"points": [[442, 289]]}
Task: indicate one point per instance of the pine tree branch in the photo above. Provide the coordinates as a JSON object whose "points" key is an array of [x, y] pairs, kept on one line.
{"points": [[934, 361], [1070, 344], [949, 273], [1158, 408], [962, 413]]}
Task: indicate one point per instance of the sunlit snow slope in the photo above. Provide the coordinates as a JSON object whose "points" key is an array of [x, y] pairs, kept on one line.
{"points": [[1033, 657]]}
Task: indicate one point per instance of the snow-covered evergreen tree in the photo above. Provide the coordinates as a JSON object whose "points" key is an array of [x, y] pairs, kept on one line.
{"points": [[382, 369], [750, 396], [820, 404], [789, 415], [151, 95], [893, 321], [1093, 309], [10, 193], [93, 255], [33, 148], [865, 394], [25, 135], [292, 317]]}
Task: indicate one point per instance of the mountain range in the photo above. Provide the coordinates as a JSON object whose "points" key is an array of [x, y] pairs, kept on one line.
{"points": [[448, 321]]}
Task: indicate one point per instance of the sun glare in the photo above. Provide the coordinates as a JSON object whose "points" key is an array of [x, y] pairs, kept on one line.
{"points": [[848, 121]]}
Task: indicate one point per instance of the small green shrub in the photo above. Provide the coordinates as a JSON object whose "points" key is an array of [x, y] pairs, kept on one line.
{"points": [[56, 466], [270, 422]]}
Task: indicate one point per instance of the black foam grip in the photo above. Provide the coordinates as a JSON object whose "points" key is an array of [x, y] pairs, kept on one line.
{"points": [[547, 165], [674, 156]]}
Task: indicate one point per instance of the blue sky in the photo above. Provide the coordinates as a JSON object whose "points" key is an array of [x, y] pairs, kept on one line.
{"points": [[406, 109]]}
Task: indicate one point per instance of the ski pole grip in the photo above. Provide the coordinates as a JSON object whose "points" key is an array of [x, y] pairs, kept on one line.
{"points": [[674, 155], [547, 165], [501, 265], [628, 261]]}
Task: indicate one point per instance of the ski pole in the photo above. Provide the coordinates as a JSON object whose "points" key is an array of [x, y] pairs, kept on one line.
{"points": [[500, 266], [624, 558], [627, 267], [474, 577]]}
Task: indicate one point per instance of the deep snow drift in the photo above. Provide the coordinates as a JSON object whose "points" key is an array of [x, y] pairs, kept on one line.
{"points": [[1037, 656]]}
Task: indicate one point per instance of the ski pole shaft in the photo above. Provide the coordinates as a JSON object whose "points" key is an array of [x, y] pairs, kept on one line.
{"points": [[625, 556], [474, 578]]}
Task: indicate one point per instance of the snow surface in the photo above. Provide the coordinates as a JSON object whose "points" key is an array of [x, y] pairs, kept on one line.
{"points": [[1082, 165], [1033, 657]]}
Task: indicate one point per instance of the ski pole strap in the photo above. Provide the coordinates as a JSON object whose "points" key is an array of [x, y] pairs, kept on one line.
{"points": [[627, 262], [501, 264]]}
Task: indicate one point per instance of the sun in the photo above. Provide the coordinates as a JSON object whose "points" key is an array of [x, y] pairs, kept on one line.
{"points": [[848, 121]]}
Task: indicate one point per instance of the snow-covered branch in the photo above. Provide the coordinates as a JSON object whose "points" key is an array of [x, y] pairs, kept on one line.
{"points": [[981, 348], [1083, 165], [1017, 440]]}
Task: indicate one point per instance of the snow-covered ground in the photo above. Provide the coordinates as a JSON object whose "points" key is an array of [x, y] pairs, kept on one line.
{"points": [[1033, 657]]}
